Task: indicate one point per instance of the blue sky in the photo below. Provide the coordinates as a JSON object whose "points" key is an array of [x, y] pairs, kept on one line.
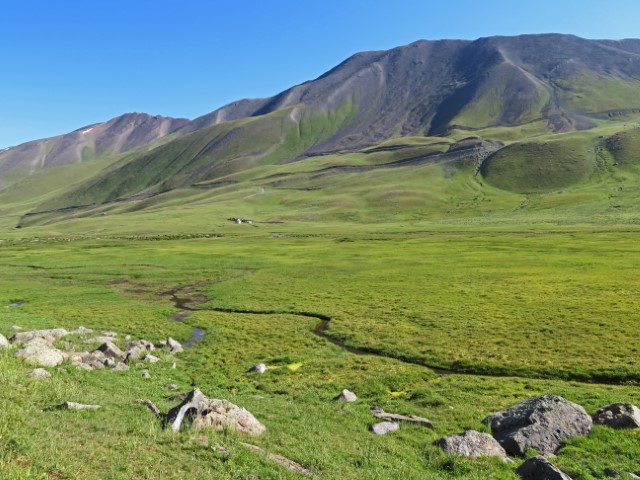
{"points": [[69, 63]]}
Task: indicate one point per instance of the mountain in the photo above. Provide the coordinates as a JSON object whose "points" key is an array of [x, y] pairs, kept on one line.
{"points": [[428, 86], [118, 135], [506, 100]]}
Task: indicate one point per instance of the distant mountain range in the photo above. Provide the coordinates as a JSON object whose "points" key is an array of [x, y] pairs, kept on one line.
{"points": [[555, 83]]}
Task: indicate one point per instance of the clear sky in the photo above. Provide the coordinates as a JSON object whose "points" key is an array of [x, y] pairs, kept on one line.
{"points": [[69, 63]]}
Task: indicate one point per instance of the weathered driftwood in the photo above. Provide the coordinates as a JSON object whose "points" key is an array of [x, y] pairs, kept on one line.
{"points": [[71, 406], [395, 417], [285, 462], [151, 406]]}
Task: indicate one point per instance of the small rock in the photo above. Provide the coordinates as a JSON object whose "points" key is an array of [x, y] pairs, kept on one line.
{"points": [[146, 374], [539, 468], [618, 415], [111, 351], [151, 358], [383, 428], [347, 396], [127, 337], [109, 334], [472, 444], [120, 367], [93, 360], [259, 368], [171, 386], [38, 373], [633, 475], [137, 350], [543, 423], [81, 331], [109, 362], [16, 327], [174, 345], [4, 343], [173, 365], [100, 339], [61, 370]]}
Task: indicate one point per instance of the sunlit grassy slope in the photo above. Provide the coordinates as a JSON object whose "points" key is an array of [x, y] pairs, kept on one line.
{"points": [[534, 178]]}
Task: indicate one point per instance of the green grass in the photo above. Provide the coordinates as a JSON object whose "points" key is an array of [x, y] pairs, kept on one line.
{"points": [[520, 280], [542, 166], [516, 305]]}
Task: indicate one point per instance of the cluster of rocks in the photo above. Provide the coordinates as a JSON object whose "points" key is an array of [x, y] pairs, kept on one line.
{"points": [[202, 412], [541, 423], [44, 348], [390, 421]]}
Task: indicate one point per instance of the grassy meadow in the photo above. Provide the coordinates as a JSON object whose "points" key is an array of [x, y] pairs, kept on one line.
{"points": [[508, 314], [401, 272]]}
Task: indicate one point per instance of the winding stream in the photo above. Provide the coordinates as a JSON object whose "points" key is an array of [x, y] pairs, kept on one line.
{"points": [[188, 304]]}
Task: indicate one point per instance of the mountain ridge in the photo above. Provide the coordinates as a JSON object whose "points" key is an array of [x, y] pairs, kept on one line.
{"points": [[118, 135], [490, 91]]}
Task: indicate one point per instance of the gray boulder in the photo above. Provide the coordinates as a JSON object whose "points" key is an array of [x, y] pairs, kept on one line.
{"points": [[38, 373], [472, 444], [111, 351], [539, 468], [383, 428], [216, 414], [618, 415], [4, 343], [49, 336], [543, 423], [40, 352], [120, 367], [347, 396]]}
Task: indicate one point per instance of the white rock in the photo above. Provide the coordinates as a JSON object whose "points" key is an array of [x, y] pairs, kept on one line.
{"points": [[259, 368], [347, 396], [151, 358], [4, 343]]}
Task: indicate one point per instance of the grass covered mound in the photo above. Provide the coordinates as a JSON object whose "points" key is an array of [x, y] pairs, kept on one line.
{"points": [[536, 167]]}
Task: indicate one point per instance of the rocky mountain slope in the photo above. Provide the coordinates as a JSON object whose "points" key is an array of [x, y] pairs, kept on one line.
{"points": [[405, 104], [115, 136]]}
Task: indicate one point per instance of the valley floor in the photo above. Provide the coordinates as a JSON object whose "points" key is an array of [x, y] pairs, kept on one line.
{"points": [[448, 325]]}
